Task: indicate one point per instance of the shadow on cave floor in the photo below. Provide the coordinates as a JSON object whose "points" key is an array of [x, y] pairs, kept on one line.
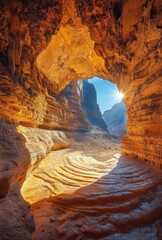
{"points": [[125, 203], [16, 221]]}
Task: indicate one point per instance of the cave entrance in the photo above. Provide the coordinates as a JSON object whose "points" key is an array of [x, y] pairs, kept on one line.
{"points": [[103, 105], [86, 145]]}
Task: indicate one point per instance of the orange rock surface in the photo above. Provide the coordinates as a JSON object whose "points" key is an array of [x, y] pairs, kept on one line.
{"points": [[90, 192], [44, 46]]}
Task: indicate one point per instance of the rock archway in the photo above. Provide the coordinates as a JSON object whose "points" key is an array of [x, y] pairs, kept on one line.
{"points": [[121, 42], [45, 45]]}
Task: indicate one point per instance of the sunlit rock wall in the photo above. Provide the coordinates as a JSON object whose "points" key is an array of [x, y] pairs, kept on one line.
{"points": [[45, 45], [27, 96], [21, 151], [128, 37]]}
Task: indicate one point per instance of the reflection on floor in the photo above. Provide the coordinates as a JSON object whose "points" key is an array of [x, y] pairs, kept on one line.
{"points": [[89, 192]]}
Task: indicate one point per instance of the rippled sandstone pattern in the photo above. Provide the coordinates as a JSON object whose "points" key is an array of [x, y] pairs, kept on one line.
{"points": [[45, 45], [89, 192]]}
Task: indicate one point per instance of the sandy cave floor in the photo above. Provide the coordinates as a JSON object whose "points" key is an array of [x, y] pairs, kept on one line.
{"points": [[88, 191]]}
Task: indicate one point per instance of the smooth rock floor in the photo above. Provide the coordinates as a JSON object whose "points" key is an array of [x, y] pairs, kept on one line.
{"points": [[82, 194]]}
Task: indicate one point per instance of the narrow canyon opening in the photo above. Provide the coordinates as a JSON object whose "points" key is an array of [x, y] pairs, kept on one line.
{"points": [[69, 169], [111, 106]]}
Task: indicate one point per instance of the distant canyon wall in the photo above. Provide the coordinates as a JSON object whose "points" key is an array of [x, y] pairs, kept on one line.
{"points": [[116, 119], [90, 106]]}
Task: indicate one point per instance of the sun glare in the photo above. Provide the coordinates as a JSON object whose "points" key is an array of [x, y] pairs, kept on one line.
{"points": [[119, 95]]}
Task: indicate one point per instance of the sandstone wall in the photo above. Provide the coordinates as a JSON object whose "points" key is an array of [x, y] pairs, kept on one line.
{"points": [[21, 150], [45, 45], [27, 96], [38, 106], [128, 37]]}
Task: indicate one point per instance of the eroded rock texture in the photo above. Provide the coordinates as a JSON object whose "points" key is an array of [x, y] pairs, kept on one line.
{"points": [[27, 96], [21, 151], [47, 44], [90, 107], [44, 46], [116, 119], [16, 221], [90, 192], [128, 37]]}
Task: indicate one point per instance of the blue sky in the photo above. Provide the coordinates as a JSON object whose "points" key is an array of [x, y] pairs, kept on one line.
{"points": [[106, 92]]}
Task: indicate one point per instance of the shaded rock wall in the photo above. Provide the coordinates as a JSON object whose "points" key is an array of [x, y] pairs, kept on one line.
{"points": [[14, 158], [21, 150], [116, 119], [16, 220], [90, 106]]}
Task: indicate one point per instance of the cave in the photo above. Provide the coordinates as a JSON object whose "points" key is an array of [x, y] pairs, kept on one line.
{"points": [[59, 177]]}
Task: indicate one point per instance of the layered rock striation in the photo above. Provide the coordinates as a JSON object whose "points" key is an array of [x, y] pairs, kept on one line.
{"points": [[128, 37], [21, 151], [27, 96], [116, 119], [90, 107], [90, 192], [44, 46]]}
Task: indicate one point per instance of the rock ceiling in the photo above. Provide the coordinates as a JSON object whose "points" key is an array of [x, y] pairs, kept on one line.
{"points": [[45, 45]]}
